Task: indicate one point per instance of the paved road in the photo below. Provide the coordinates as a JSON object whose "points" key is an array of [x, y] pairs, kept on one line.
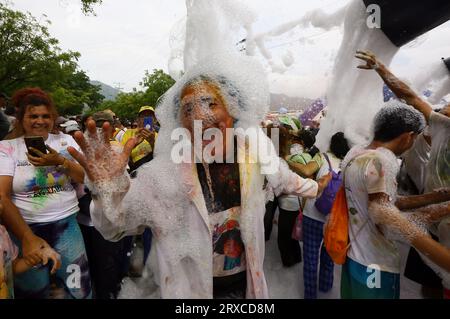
{"points": [[287, 283]]}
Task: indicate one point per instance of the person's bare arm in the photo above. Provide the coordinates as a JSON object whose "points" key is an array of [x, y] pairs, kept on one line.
{"points": [[20, 265], [400, 88], [43, 256], [417, 201], [436, 252], [306, 170], [14, 221], [410, 228]]}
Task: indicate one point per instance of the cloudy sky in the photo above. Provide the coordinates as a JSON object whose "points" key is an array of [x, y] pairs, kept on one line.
{"points": [[126, 38]]}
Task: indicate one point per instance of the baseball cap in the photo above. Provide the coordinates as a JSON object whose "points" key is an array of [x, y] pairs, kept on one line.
{"points": [[109, 112], [61, 120], [70, 126], [146, 108], [103, 116]]}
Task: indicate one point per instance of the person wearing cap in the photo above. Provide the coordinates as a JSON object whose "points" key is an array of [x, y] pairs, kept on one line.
{"points": [[143, 151], [106, 117], [111, 113], [70, 127], [57, 128]]}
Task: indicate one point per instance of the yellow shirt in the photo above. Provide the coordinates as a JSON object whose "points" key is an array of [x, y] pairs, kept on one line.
{"points": [[141, 150]]}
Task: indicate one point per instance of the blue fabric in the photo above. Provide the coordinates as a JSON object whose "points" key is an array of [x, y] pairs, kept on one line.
{"points": [[72, 280], [354, 283], [312, 239], [325, 202]]}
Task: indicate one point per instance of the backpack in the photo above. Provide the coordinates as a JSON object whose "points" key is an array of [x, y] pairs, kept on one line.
{"points": [[335, 232], [325, 201]]}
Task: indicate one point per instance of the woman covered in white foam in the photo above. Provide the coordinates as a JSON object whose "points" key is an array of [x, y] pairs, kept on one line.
{"points": [[196, 198]]}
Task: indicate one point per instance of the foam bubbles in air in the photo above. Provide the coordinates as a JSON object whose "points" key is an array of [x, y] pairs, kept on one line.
{"points": [[354, 96]]}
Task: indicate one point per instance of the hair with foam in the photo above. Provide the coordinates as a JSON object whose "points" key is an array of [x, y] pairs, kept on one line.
{"points": [[395, 119]]}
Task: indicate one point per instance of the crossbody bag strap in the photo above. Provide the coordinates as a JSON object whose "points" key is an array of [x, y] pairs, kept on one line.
{"points": [[330, 168]]}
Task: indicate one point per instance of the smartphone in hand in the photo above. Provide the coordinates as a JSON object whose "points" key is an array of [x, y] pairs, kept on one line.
{"points": [[36, 142], [148, 123]]}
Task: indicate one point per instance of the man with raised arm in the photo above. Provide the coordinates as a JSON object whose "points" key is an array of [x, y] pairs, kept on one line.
{"points": [[438, 169]]}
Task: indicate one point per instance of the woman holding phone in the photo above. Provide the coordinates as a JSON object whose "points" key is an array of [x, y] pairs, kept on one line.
{"points": [[36, 176]]}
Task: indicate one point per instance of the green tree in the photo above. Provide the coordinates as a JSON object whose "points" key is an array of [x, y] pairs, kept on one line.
{"points": [[156, 84], [31, 57], [88, 6], [127, 105]]}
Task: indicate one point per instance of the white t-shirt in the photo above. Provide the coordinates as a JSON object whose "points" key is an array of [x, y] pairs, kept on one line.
{"points": [[416, 161], [371, 172], [438, 171], [42, 194], [289, 202], [119, 135], [310, 210]]}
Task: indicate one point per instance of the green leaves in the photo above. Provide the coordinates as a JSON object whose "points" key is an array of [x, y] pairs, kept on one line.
{"points": [[127, 105], [31, 57], [88, 6], [157, 82]]}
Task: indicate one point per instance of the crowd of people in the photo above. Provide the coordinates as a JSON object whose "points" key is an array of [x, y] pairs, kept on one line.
{"points": [[73, 210]]}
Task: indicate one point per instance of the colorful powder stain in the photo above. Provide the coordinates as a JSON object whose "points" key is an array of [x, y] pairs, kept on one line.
{"points": [[45, 177]]}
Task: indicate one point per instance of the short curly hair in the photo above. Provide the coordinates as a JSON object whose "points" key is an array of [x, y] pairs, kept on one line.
{"points": [[396, 119], [26, 97]]}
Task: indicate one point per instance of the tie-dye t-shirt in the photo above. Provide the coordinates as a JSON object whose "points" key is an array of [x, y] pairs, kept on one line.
{"points": [[42, 194], [8, 253]]}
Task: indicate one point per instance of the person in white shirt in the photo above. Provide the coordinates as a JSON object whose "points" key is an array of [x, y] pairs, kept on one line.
{"points": [[313, 222], [37, 193], [371, 191], [438, 167]]}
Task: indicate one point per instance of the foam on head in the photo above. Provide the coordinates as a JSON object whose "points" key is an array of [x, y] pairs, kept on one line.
{"points": [[242, 83], [398, 115]]}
